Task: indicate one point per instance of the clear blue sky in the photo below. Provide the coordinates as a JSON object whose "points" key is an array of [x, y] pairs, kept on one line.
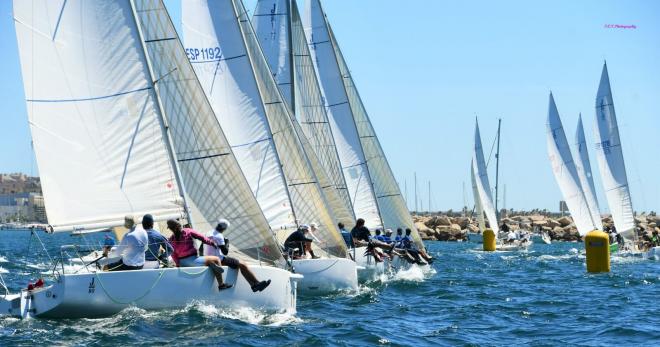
{"points": [[426, 68]]}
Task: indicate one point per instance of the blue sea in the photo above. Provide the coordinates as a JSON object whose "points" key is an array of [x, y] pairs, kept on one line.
{"points": [[542, 297]]}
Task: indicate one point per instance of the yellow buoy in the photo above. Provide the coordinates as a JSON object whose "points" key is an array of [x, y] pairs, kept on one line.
{"points": [[490, 244], [597, 245]]}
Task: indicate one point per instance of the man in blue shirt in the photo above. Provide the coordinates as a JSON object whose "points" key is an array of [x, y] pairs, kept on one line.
{"points": [[346, 235], [408, 244], [153, 255], [378, 236]]}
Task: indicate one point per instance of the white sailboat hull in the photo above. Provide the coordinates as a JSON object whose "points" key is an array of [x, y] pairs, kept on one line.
{"points": [[517, 246], [326, 275], [371, 268], [102, 294]]}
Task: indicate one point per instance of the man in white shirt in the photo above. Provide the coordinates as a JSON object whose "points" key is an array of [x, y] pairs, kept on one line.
{"points": [[131, 248], [221, 249]]}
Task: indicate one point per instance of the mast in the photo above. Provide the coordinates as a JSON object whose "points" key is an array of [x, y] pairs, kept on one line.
{"points": [[292, 67], [415, 192], [161, 118], [497, 167], [429, 197]]}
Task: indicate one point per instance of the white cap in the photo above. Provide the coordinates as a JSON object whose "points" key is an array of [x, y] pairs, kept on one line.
{"points": [[223, 223], [313, 225], [304, 227], [388, 231]]}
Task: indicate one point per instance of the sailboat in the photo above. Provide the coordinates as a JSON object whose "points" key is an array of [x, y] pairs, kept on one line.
{"points": [[374, 192], [611, 164], [270, 149], [566, 173], [482, 193], [108, 89]]}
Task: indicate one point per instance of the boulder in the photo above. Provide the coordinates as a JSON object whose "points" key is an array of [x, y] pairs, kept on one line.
{"points": [[537, 218], [564, 221], [472, 228], [552, 223], [443, 221], [421, 227], [455, 228]]}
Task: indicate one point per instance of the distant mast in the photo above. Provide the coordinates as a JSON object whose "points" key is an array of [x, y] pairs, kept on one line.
{"points": [[497, 167]]}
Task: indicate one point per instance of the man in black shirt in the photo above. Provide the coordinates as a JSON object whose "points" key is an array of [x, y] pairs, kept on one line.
{"points": [[301, 242], [360, 233]]}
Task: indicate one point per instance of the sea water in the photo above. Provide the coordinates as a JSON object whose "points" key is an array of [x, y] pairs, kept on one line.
{"points": [[540, 297]]}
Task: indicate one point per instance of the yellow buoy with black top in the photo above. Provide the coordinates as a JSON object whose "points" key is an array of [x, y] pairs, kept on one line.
{"points": [[490, 243], [597, 245]]}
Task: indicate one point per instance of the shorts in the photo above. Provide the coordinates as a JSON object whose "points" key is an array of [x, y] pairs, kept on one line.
{"points": [[230, 262], [120, 266], [192, 261]]}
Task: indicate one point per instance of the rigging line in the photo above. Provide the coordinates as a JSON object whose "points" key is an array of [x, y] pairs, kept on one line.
{"points": [[490, 155], [90, 98], [218, 60], [203, 157], [59, 18]]}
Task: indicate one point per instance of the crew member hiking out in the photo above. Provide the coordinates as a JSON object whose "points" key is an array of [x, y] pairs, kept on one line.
{"points": [[185, 255]]}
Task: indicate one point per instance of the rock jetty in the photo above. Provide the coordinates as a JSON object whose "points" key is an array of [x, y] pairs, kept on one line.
{"points": [[449, 227]]}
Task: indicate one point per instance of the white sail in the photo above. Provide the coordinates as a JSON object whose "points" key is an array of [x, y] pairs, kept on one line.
{"points": [[565, 171], [583, 166], [342, 123], [610, 160], [279, 29], [220, 60], [477, 200], [93, 114], [393, 209], [215, 185], [249, 106], [483, 186]]}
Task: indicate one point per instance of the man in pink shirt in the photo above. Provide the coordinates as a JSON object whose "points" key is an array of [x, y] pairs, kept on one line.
{"points": [[185, 255]]}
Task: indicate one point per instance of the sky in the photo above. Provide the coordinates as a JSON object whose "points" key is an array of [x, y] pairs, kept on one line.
{"points": [[426, 69]]}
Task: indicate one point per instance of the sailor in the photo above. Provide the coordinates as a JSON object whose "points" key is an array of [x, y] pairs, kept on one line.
{"points": [[300, 243], [378, 236], [409, 245], [185, 255], [221, 249], [399, 235], [360, 233], [157, 241], [510, 236], [131, 248], [388, 236], [345, 234]]}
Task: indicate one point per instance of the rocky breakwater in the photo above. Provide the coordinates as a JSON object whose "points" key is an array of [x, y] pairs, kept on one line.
{"points": [[443, 227]]}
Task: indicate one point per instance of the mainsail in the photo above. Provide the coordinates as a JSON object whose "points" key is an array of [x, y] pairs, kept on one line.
{"points": [[129, 89], [340, 115], [483, 186], [583, 166], [248, 104], [279, 29], [390, 203], [93, 114], [610, 160], [565, 171]]}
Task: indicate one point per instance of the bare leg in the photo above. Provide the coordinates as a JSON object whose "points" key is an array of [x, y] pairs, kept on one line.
{"points": [[248, 274], [214, 264]]}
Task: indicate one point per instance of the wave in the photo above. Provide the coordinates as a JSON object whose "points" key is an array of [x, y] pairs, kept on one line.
{"points": [[245, 314]]}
